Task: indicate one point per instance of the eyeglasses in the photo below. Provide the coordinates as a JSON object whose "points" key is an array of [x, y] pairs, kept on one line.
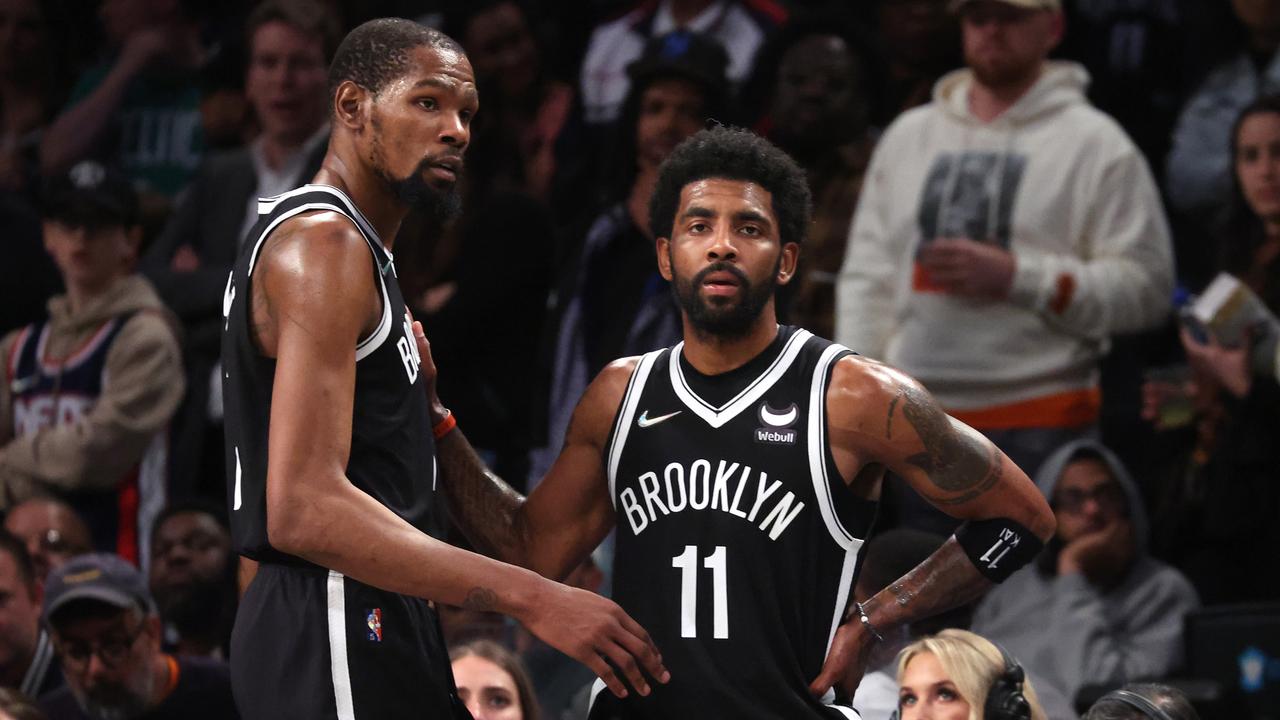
{"points": [[75, 654], [53, 541], [1109, 497]]}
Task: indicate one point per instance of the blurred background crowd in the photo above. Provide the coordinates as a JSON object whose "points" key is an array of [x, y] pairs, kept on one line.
{"points": [[1025, 256]]}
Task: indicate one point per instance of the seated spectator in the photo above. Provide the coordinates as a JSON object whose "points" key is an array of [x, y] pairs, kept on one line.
{"points": [[920, 43], [29, 89], [193, 579], [18, 706], [1095, 607], [492, 683], [740, 26], [140, 109], [611, 302], [1199, 173], [816, 74], [1005, 233], [1219, 497], [1143, 702], [513, 142], [107, 634], [51, 530], [290, 45], [957, 675], [26, 654], [88, 392]]}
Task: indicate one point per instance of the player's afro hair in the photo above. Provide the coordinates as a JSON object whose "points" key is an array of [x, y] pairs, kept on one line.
{"points": [[378, 51], [733, 154]]}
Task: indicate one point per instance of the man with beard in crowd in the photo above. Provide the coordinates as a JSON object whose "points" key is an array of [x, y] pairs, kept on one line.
{"points": [[193, 579]]}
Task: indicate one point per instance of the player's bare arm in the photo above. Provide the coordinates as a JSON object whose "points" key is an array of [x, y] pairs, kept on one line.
{"points": [[567, 515], [317, 280], [881, 418]]}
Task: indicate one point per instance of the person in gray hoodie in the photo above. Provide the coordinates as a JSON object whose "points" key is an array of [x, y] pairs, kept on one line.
{"points": [[1094, 608]]}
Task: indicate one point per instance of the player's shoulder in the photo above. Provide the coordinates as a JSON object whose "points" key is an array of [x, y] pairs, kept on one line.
{"points": [[861, 385], [611, 383], [322, 242]]}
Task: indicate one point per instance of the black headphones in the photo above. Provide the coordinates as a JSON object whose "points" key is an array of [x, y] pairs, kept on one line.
{"points": [[1137, 702], [1005, 700]]}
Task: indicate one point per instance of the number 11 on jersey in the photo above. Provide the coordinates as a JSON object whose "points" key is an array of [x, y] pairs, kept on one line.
{"points": [[687, 563]]}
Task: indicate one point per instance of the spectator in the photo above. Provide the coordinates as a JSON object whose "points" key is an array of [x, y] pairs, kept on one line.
{"points": [[953, 674], [1095, 608], [816, 74], [492, 683], [52, 532], [1198, 175], [107, 634], [1219, 498], [16, 706], [140, 110], [26, 655], [89, 391], [290, 44], [1004, 232], [28, 89], [919, 41], [1144, 701], [514, 139], [193, 579], [740, 26], [611, 300]]}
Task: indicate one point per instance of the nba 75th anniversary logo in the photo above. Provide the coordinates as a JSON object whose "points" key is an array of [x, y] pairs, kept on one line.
{"points": [[775, 425]]}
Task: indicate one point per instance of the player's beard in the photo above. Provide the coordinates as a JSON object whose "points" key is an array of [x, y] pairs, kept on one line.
{"points": [[437, 205], [725, 317]]}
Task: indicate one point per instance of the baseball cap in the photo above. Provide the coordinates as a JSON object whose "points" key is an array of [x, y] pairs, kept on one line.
{"points": [[681, 53], [90, 194], [1028, 4], [105, 578]]}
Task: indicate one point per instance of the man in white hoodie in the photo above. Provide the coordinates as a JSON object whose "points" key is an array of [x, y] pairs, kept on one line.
{"points": [[1004, 232]]}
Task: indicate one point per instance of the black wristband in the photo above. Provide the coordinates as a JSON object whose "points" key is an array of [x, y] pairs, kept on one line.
{"points": [[998, 547]]}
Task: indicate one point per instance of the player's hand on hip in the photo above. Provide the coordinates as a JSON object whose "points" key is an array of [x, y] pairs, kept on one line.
{"points": [[846, 662], [592, 630], [427, 367]]}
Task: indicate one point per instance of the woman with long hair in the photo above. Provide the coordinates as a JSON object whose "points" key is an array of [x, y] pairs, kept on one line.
{"points": [[492, 682], [958, 675]]}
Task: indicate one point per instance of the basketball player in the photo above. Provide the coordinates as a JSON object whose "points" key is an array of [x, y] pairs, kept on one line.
{"points": [[332, 481], [741, 468]]}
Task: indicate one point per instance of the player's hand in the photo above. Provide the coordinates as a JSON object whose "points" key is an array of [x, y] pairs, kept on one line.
{"points": [[847, 661], [592, 629], [427, 367], [968, 268]]}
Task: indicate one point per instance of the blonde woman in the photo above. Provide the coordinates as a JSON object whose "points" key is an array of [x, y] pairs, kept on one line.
{"points": [[957, 675]]}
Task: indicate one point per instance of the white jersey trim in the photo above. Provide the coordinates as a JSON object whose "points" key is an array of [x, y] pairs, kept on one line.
{"points": [[818, 451], [842, 597], [39, 667], [269, 204], [152, 495], [630, 401], [844, 710], [596, 688], [366, 346], [716, 417], [337, 606]]}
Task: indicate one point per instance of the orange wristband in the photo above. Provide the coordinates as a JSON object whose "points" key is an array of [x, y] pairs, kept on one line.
{"points": [[445, 426]]}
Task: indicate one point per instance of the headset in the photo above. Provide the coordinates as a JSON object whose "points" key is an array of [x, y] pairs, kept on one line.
{"points": [[1005, 700], [1137, 702]]}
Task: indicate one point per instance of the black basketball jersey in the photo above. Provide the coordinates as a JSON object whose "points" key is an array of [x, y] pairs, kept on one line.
{"points": [[737, 540], [392, 448]]}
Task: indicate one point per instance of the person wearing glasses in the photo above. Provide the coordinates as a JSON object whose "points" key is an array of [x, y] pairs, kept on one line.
{"points": [[106, 633], [1094, 608]]}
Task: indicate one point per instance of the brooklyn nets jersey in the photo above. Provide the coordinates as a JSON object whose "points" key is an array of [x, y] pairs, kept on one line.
{"points": [[392, 449], [737, 541]]}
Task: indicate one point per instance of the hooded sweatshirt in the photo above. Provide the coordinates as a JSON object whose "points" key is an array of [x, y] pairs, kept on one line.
{"points": [[86, 449], [1052, 180], [1071, 633]]}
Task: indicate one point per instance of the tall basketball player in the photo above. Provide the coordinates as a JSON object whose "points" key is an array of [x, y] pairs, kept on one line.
{"points": [[742, 466], [332, 481]]}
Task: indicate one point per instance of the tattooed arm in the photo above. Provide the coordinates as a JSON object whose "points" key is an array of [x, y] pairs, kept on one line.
{"points": [[880, 418]]}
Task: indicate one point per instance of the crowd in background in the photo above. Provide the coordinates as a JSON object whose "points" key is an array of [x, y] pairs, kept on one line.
{"points": [[1026, 258]]}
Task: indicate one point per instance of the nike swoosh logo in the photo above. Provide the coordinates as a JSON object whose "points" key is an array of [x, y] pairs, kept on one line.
{"points": [[21, 385], [645, 421]]}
